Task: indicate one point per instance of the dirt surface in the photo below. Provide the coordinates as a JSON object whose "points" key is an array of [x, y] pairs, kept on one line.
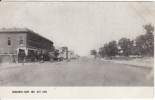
{"points": [[80, 72]]}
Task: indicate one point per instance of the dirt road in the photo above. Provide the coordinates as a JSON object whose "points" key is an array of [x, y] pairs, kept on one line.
{"points": [[81, 72]]}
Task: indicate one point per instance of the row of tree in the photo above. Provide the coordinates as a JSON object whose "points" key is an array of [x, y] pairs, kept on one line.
{"points": [[142, 45]]}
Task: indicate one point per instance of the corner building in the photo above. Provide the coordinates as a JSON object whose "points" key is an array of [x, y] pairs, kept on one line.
{"points": [[22, 44]]}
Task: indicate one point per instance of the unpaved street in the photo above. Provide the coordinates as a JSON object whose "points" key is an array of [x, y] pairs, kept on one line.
{"points": [[79, 72]]}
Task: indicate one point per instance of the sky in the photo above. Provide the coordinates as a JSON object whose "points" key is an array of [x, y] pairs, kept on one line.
{"points": [[81, 26]]}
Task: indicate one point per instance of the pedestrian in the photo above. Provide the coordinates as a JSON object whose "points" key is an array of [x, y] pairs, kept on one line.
{"points": [[23, 56], [13, 59], [42, 58], [23, 61]]}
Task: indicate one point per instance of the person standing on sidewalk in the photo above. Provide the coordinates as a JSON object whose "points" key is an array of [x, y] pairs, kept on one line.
{"points": [[23, 56]]}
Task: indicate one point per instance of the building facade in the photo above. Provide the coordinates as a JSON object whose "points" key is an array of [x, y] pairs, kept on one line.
{"points": [[70, 54], [63, 52], [22, 44]]}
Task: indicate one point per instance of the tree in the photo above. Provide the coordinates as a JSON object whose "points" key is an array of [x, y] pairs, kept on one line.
{"points": [[149, 39], [126, 46], [141, 44], [93, 52], [109, 49], [102, 52], [135, 51], [149, 28], [145, 43]]}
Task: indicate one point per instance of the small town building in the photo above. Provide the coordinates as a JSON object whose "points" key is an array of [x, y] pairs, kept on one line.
{"points": [[70, 54], [63, 52], [22, 44]]}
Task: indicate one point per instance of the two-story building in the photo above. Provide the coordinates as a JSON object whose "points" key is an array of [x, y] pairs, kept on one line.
{"points": [[18, 44]]}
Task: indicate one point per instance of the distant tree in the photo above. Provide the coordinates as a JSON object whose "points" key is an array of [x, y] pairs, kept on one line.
{"points": [[135, 51], [102, 51], [141, 44], [93, 52], [149, 39], [145, 43], [109, 49], [149, 28], [126, 46]]}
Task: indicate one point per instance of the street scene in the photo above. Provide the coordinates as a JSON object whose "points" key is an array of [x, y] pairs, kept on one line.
{"points": [[79, 72], [77, 44]]}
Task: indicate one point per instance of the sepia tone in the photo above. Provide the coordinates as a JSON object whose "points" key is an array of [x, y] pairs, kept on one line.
{"points": [[74, 44]]}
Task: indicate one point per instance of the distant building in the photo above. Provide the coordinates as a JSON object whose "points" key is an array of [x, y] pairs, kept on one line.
{"points": [[70, 54], [63, 52], [20, 44]]}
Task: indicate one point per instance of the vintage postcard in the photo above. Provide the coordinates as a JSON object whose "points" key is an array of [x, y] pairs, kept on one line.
{"points": [[76, 49]]}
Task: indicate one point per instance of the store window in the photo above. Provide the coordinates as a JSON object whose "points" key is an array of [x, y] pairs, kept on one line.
{"points": [[9, 41], [21, 41]]}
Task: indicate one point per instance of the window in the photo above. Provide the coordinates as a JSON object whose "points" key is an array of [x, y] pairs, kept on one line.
{"points": [[21, 40], [9, 41]]}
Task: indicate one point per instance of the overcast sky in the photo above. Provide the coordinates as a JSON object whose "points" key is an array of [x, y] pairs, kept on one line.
{"points": [[81, 26]]}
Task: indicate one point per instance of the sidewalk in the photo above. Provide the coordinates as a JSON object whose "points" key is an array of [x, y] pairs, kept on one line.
{"points": [[14, 65], [149, 63]]}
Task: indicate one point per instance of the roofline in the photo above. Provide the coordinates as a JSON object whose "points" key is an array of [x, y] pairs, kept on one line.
{"points": [[39, 35], [12, 31], [23, 31]]}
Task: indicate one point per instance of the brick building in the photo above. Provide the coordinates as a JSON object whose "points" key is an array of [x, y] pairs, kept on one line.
{"points": [[18, 44]]}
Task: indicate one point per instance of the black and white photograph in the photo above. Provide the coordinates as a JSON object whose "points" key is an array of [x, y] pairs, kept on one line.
{"points": [[77, 44]]}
